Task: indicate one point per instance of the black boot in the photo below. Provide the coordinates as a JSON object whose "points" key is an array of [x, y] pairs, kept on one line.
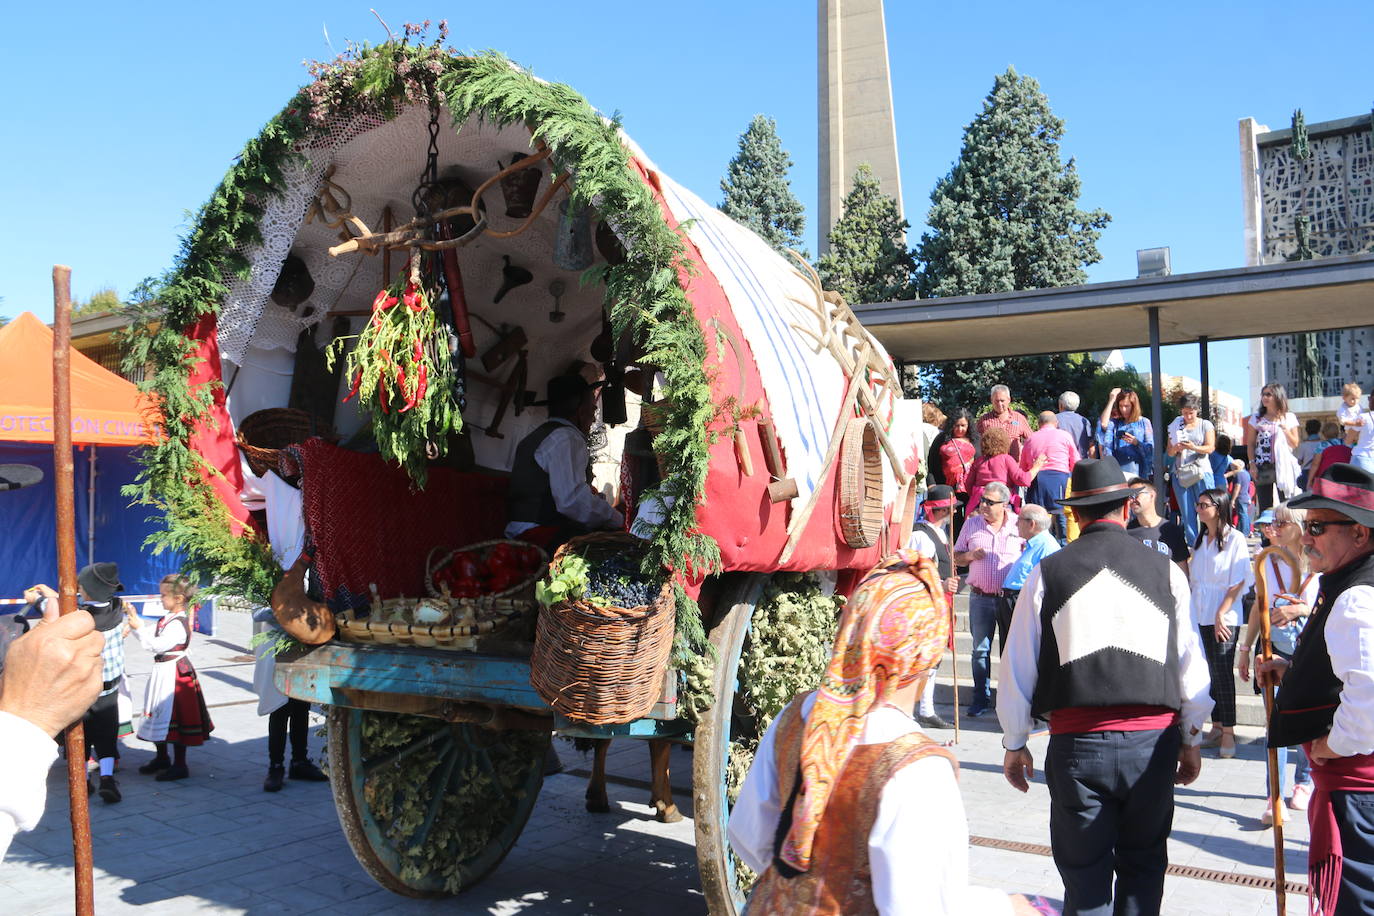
{"points": [[175, 771], [275, 776], [109, 790], [156, 765], [306, 771]]}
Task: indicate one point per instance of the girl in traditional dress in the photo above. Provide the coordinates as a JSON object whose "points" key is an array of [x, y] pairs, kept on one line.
{"points": [[173, 706]]}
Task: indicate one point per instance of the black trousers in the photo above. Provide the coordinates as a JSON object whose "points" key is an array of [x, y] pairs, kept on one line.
{"points": [[1111, 811], [102, 725], [295, 714], [1355, 819]]}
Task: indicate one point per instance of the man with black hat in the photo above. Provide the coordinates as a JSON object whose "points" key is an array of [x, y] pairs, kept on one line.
{"points": [[550, 498], [96, 587], [1327, 701], [929, 538], [1102, 646]]}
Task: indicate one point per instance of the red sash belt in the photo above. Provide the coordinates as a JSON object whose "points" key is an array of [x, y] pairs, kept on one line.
{"points": [[1343, 774], [1076, 720]]}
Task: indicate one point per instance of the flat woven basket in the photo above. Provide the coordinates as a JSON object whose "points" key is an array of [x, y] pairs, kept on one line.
{"points": [[262, 435], [603, 666], [480, 617]]}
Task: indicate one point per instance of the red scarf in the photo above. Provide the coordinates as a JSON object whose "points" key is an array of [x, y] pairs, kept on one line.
{"points": [[1343, 774]]}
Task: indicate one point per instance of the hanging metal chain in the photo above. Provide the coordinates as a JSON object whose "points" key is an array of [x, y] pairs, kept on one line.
{"points": [[429, 176]]}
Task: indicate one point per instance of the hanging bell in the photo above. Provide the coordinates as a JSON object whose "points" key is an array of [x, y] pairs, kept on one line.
{"points": [[573, 248], [519, 188], [608, 243], [294, 284]]}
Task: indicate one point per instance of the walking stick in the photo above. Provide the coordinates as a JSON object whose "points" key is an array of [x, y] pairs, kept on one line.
{"points": [[1280, 555], [954, 649], [65, 484]]}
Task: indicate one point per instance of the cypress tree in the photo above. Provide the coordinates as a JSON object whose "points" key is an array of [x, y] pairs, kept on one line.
{"points": [[868, 260], [756, 188], [1005, 218]]}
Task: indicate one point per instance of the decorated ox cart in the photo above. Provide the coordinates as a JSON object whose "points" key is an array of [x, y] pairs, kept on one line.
{"points": [[752, 430]]}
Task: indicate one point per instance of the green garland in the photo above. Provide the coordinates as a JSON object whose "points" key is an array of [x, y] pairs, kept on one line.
{"points": [[647, 299]]}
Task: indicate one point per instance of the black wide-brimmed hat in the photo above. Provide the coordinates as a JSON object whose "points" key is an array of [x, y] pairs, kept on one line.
{"points": [[567, 387], [941, 496], [1099, 480], [100, 581], [1344, 488], [18, 476]]}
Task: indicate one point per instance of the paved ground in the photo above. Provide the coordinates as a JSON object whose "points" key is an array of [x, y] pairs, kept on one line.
{"points": [[215, 843]]}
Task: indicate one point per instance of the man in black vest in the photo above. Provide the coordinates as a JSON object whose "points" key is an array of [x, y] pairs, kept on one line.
{"points": [[550, 499], [929, 539], [1327, 700], [1102, 646]]}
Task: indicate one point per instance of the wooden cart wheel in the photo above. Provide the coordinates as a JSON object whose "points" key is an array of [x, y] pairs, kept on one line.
{"points": [[415, 796], [711, 758]]}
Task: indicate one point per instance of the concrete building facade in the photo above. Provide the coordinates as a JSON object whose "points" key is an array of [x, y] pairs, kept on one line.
{"points": [[1333, 190], [856, 122]]}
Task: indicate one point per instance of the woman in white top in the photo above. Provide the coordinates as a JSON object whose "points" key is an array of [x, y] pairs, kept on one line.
{"points": [[1271, 434], [1191, 440], [1290, 604], [1362, 453], [1219, 574]]}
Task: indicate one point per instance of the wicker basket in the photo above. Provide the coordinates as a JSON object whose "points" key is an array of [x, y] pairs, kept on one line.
{"points": [[522, 591], [861, 484], [468, 618], [602, 666], [262, 435]]}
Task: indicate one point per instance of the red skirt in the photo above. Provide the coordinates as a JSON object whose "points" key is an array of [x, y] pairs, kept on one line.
{"points": [[190, 723]]}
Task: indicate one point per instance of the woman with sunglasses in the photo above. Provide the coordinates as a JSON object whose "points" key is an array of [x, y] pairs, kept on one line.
{"points": [[1219, 574], [1126, 435], [1290, 604]]}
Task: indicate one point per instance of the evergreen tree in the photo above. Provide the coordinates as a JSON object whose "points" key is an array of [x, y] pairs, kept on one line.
{"points": [[868, 260], [1005, 218], [757, 192]]}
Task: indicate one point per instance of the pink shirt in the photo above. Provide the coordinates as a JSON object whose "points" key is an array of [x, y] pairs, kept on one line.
{"points": [[1003, 546], [1058, 447]]}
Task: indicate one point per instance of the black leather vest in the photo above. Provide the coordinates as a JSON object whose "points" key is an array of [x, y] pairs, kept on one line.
{"points": [[943, 561], [1307, 701], [530, 498], [1134, 659]]}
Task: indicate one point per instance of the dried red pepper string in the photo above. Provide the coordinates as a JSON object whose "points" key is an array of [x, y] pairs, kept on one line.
{"points": [[357, 383]]}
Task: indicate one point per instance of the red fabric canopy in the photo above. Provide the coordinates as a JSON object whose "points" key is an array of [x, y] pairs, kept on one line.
{"points": [[106, 409]]}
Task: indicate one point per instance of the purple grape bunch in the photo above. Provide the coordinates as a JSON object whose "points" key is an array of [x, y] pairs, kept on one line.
{"points": [[616, 578]]}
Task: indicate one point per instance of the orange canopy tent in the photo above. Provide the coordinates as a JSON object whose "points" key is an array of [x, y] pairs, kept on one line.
{"points": [[106, 409]]}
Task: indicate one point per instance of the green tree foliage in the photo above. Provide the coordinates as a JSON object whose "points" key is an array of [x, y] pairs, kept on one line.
{"points": [[868, 259], [102, 300], [757, 191], [1006, 217], [1035, 381]]}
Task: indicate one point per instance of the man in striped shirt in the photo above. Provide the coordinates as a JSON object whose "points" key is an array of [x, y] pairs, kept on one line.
{"points": [[988, 545]]}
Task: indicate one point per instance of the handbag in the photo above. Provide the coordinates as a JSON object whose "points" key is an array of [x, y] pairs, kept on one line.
{"points": [[1188, 475], [1265, 474]]}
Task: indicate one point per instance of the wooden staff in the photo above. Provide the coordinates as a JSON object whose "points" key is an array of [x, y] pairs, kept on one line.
{"points": [[954, 653], [64, 479], [1280, 555]]}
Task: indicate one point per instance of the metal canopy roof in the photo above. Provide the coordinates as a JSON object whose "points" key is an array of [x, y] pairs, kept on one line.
{"points": [[1223, 304]]}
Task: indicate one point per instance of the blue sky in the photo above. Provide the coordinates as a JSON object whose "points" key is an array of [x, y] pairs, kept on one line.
{"points": [[123, 118]]}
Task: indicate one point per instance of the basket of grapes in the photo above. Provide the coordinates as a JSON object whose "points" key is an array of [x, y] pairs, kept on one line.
{"points": [[604, 633]]}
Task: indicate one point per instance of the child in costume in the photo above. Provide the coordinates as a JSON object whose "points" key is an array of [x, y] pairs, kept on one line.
{"points": [[848, 807], [174, 708]]}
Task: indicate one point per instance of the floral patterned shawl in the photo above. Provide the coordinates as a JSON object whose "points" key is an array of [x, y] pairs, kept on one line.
{"points": [[894, 628]]}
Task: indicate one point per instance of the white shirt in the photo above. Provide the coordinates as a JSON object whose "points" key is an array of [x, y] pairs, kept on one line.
{"points": [[563, 456], [1348, 413], [922, 543], [918, 847], [1350, 642], [1214, 569], [1364, 446], [29, 753], [1018, 670]]}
